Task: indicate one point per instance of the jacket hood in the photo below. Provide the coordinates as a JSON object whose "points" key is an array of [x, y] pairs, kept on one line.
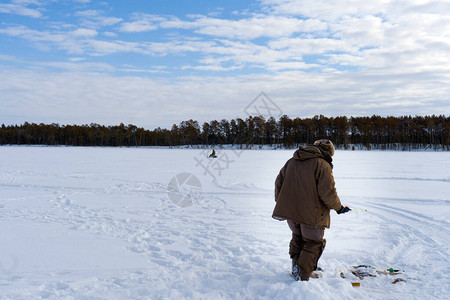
{"points": [[309, 152]]}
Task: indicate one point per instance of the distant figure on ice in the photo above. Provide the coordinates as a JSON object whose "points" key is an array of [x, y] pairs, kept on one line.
{"points": [[213, 154], [304, 195]]}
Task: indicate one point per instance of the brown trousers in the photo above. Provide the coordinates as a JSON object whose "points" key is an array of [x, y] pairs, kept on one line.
{"points": [[306, 246]]}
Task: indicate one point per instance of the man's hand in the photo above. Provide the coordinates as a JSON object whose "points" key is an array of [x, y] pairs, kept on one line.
{"points": [[343, 210]]}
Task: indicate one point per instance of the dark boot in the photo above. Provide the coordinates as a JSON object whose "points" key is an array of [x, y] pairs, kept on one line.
{"points": [[303, 276], [307, 261]]}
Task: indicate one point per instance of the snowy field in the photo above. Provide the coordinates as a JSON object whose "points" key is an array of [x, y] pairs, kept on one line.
{"points": [[104, 223]]}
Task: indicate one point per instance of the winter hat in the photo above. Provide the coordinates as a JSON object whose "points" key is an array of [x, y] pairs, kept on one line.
{"points": [[325, 145]]}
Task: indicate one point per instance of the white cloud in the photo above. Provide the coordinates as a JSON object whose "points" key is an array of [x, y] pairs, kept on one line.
{"points": [[327, 10], [255, 27], [134, 69], [246, 28], [96, 19], [9, 58], [142, 22], [97, 47], [80, 97], [177, 47], [77, 66], [27, 2], [361, 32], [110, 34], [212, 67], [84, 32], [410, 35], [20, 8], [395, 54], [306, 46], [33, 35], [352, 39], [74, 42], [138, 26], [90, 13], [76, 59], [291, 65]]}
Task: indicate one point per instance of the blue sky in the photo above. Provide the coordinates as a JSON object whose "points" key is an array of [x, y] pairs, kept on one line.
{"points": [[156, 63]]}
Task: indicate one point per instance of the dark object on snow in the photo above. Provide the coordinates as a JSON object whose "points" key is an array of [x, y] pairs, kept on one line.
{"points": [[361, 274], [380, 271], [213, 154], [363, 271], [398, 280], [343, 210], [362, 266]]}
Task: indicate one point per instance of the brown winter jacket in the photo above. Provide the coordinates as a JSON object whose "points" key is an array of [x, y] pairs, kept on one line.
{"points": [[304, 189]]}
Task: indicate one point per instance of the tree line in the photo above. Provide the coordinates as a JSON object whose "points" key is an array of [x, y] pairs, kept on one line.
{"points": [[376, 132]]}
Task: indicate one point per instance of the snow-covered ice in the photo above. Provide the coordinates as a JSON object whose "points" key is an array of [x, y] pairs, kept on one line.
{"points": [[98, 223]]}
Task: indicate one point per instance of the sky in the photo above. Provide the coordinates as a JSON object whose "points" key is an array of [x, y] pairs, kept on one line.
{"points": [[155, 63]]}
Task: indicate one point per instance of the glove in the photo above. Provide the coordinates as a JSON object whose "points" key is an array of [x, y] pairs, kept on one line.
{"points": [[343, 210]]}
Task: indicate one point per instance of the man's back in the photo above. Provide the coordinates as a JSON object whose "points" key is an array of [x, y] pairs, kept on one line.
{"points": [[304, 189]]}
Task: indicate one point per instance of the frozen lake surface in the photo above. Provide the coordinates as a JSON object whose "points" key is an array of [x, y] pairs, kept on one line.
{"points": [[116, 223]]}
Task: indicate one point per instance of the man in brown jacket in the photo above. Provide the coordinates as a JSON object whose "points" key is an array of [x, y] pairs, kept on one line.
{"points": [[304, 195]]}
